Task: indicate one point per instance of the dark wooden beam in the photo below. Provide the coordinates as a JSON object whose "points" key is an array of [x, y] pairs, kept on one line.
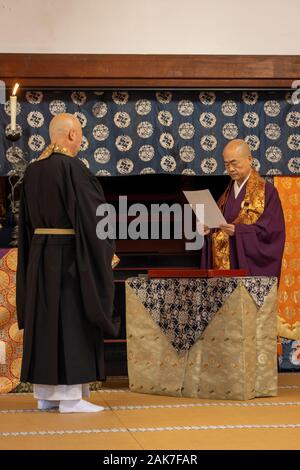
{"points": [[113, 70]]}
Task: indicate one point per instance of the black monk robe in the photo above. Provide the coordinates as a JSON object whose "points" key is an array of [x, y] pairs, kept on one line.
{"points": [[65, 287]]}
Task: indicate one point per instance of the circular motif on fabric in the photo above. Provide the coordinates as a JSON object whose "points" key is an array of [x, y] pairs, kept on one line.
{"points": [[147, 171], [84, 144], [168, 163], [288, 97], [272, 131], [145, 129], [185, 107], [163, 97], [102, 155], [293, 142], [35, 119], [186, 130], [122, 119], [11, 260], [256, 164], [81, 118], [15, 334], [125, 166], [100, 132], [78, 97], [103, 173], [6, 385], [11, 296], [293, 119], [4, 315], [250, 97], [123, 143], [273, 154], [253, 142], [166, 140], [165, 118], [15, 367], [36, 142], [143, 107], [209, 165], [146, 153], [34, 97], [294, 165], [230, 131], [207, 120], [208, 142], [274, 172], [188, 172], [120, 97], [262, 358], [57, 107], [207, 97], [9, 349], [14, 154], [187, 153], [229, 108], [250, 119], [272, 108], [99, 109], [18, 130]]}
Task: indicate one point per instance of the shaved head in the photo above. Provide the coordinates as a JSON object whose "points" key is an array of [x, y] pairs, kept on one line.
{"points": [[65, 129], [237, 147], [237, 159]]}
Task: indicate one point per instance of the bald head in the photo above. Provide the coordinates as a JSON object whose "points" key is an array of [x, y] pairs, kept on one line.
{"points": [[238, 148], [65, 129], [237, 159]]}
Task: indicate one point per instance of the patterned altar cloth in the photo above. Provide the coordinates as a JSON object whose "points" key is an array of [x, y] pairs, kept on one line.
{"points": [[209, 338], [11, 338]]}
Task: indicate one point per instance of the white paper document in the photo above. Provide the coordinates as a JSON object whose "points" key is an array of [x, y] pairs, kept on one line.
{"points": [[213, 216]]}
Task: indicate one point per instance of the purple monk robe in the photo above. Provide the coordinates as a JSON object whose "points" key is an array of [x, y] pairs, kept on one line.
{"points": [[256, 247]]}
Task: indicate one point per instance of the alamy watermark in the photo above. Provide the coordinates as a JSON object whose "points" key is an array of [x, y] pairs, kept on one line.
{"points": [[160, 221], [295, 98], [2, 92]]}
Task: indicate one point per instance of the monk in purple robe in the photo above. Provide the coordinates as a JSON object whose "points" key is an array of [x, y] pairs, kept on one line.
{"points": [[254, 236]]}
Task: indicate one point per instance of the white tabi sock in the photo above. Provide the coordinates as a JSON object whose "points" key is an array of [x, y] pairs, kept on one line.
{"points": [[47, 404], [78, 406]]}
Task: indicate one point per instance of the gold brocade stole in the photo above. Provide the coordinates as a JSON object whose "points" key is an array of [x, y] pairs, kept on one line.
{"points": [[251, 209], [54, 148]]}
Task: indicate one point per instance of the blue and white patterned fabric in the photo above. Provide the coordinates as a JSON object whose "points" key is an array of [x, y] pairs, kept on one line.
{"points": [[183, 307], [289, 360], [174, 132]]}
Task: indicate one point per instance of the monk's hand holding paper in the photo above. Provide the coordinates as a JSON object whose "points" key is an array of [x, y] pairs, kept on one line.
{"points": [[203, 229], [228, 228]]}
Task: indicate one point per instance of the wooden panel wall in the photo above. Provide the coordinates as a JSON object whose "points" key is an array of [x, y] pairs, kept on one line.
{"points": [[113, 70]]}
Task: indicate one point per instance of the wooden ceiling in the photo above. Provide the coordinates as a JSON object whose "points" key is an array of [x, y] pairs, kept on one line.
{"points": [[174, 71]]}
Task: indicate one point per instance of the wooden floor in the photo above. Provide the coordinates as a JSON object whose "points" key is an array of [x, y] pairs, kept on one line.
{"points": [[137, 421]]}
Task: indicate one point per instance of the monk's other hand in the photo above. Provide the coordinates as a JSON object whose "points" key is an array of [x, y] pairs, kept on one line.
{"points": [[206, 230], [228, 228]]}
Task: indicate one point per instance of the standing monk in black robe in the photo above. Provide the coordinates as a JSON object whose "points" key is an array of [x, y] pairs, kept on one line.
{"points": [[65, 287]]}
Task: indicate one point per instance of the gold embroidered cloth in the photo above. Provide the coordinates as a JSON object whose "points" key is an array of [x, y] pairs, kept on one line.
{"points": [[235, 358], [251, 210], [11, 338]]}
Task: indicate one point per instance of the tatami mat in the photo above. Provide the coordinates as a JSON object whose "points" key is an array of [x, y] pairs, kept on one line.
{"points": [[140, 421]]}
